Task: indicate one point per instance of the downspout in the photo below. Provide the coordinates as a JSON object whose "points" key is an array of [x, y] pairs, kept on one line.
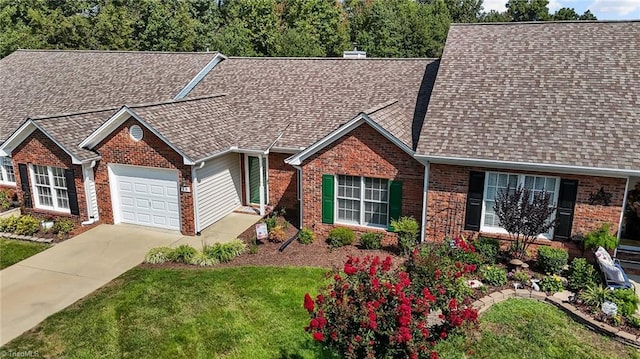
{"points": [[196, 220], [262, 204], [624, 207], [425, 192], [299, 180]]}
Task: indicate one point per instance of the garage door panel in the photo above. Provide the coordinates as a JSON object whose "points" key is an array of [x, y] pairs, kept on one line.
{"points": [[218, 189], [147, 196]]}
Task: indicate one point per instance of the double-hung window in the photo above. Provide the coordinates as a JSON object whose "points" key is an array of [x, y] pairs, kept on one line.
{"points": [[6, 171], [50, 188], [363, 201], [496, 182]]}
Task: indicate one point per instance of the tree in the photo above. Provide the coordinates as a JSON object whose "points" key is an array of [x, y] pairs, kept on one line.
{"points": [[461, 11], [528, 10], [524, 214]]}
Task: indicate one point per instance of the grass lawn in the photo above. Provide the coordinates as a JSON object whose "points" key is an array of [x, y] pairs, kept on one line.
{"points": [[246, 312], [13, 251], [521, 328]]}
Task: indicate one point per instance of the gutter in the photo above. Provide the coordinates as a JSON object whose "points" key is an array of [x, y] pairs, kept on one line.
{"points": [[604, 172]]}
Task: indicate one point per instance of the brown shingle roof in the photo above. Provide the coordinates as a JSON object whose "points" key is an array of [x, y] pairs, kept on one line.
{"points": [[44, 83], [315, 96], [199, 127], [550, 93]]}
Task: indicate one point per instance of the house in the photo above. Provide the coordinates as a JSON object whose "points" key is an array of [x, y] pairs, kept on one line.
{"points": [[178, 141]]}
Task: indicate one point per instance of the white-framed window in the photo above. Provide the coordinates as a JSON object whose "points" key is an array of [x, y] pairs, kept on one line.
{"points": [[495, 182], [50, 188], [6, 171], [362, 201]]}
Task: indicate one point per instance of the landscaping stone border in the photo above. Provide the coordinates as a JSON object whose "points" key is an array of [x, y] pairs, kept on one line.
{"points": [[26, 238], [560, 300]]}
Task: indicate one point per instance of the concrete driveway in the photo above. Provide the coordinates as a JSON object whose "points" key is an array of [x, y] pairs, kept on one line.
{"points": [[49, 281]]}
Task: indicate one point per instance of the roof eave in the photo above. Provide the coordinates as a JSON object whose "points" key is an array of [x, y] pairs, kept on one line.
{"points": [[531, 166], [23, 132]]}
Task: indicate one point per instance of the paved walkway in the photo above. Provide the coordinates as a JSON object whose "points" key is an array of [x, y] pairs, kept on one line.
{"points": [[49, 281]]}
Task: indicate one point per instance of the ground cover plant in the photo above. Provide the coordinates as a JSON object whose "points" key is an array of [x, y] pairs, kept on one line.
{"points": [[528, 329], [209, 255], [241, 312], [13, 251]]}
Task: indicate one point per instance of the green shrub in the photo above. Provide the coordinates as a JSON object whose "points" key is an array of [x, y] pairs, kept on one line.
{"points": [[371, 240], [271, 221], [594, 296], [626, 300], [27, 225], [552, 260], [601, 237], [306, 236], [8, 224], [62, 227], [159, 255], [487, 248], [494, 276], [341, 236], [407, 230], [5, 200], [203, 260], [224, 252], [521, 276], [633, 321], [183, 254], [551, 283], [581, 275]]}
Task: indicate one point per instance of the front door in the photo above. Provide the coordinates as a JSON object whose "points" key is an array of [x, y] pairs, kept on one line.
{"points": [[253, 165], [631, 221]]}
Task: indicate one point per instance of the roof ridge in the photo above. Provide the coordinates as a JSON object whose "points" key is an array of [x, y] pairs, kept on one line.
{"points": [[379, 107], [457, 24], [170, 102], [67, 114], [120, 51], [330, 58]]}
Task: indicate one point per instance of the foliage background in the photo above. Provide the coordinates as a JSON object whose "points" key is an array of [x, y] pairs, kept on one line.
{"points": [[383, 28]]}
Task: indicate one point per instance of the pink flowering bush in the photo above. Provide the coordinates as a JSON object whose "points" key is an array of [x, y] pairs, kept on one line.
{"points": [[372, 311]]}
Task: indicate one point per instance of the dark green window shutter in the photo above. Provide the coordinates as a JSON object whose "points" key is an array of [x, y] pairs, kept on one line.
{"points": [[24, 185], [566, 204], [71, 191], [395, 201], [473, 214], [328, 190]]}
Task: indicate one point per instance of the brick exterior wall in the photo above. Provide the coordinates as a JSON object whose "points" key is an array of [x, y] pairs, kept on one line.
{"points": [[120, 148], [283, 184], [448, 186], [40, 150], [362, 152]]}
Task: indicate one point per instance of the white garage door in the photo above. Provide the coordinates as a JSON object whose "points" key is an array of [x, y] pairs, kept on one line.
{"points": [[146, 196], [217, 189]]}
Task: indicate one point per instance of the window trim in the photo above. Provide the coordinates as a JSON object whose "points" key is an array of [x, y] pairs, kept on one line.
{"points": [[52, 188], [361, 200], [521, 179], [4, 173]]}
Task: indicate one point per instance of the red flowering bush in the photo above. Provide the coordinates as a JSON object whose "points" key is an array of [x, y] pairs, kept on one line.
{"points": [[445, 268], [372, 311]]}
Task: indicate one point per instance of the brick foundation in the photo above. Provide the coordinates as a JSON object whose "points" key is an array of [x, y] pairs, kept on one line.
{"points": [[120, 148], [448, 186], [362, 152]]}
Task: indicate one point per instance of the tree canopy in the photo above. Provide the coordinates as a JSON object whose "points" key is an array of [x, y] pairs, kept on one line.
{"points": [[383, 28]]}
